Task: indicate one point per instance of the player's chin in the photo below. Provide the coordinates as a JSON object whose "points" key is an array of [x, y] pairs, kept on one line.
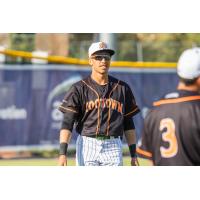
{"points": [[104, 70]]}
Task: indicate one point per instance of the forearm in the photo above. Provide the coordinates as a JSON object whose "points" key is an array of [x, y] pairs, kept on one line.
{"points": [[130, 136], [131, 141], [65, 136]]}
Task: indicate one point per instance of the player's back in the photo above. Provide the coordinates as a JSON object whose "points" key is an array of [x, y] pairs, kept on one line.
{"points": [[172, 130]]}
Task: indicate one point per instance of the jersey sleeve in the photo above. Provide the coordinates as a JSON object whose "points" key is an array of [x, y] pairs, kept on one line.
{"points": [[70, 105], [131, 108], [128, 123], [144, 149]]}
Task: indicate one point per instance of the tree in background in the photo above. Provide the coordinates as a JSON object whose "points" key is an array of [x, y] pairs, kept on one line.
{"points": [[165, 47], [79, 43], [22, 41]]}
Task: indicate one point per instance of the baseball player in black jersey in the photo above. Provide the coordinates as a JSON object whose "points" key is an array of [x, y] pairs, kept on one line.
{"points": [[101, 107], [171, 134]]}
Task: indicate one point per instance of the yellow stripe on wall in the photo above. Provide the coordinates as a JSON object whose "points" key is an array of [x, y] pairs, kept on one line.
{"points": [[76, 61]]}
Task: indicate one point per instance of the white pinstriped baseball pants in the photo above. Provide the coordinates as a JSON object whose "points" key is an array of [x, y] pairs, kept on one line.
{"points": [[94, 152]]}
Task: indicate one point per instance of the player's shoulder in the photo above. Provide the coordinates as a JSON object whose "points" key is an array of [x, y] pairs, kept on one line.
{"points": [[76, 85], [170, 95], [178, 96], [79, 84], [120, 82], [149, 112], [113, 79], [85, 81]]}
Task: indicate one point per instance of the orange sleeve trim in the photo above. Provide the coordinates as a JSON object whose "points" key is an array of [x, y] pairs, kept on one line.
{"points": [[68, 109], [143, 152], [131, 112], [177, 100]]}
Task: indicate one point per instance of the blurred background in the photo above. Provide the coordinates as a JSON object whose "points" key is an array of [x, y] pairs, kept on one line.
{"points": [[129, 46], [36, 70]]}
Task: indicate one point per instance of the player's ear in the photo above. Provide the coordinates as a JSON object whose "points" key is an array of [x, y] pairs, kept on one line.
{"points": [[90, 61]]}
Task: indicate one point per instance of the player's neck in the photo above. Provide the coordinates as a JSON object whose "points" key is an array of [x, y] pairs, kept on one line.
{"points": [[182, 86], [101, 79]]}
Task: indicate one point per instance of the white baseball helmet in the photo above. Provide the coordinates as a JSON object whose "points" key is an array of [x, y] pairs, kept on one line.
{"points": [[189, 64]]}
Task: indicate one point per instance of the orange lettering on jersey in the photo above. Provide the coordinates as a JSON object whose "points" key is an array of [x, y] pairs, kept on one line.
{"points": [[169, 136], [120, 106], [91, 105], [97, 102], [103, 102], [86, 107], [114, 104], [108, 103]]}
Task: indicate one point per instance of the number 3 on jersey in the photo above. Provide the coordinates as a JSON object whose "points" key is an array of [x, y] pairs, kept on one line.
{"points": [[170, 137]]}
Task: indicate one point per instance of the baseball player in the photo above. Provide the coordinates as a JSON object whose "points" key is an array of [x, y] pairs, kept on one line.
{"points": [[171, 134], [101, 107]]}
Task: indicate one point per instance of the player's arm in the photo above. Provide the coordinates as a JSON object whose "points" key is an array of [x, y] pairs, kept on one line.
{"points": [[131, 109], [130, 135], [65, 137], [144, 146], [144, 155], [70, 108]]}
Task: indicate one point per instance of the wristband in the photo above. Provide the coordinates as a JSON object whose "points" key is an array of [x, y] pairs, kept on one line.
{"points": [[63, 148], [132, 149]]}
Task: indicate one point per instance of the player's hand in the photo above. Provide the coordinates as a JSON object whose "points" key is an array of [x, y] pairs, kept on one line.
{"points": [[62, 160], [134, 161]]}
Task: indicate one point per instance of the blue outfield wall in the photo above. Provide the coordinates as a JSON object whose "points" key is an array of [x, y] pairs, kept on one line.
{"points": [[30, 95]]}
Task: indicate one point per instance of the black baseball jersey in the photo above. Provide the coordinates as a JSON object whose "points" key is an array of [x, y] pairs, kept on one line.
{"points": [[99, 109], [171, 134]]}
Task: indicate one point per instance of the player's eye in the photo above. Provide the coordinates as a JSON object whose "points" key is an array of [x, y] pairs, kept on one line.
{"points": [[101, 57]]}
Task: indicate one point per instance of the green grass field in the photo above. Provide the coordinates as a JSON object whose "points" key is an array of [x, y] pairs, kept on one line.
{"points": [[53, 162]]}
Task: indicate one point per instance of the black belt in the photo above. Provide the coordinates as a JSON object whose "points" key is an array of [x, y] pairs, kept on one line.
{"points": [[103, 137]]}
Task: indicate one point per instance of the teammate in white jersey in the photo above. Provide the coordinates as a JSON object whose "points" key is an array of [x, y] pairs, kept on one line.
{"points": [[102, 108]]}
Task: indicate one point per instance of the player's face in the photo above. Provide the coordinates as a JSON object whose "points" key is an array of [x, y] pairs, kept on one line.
{"points": [[100, 62]]}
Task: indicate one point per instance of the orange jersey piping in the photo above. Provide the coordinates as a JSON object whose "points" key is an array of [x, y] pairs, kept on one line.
{"points": [[68, 109], [143, 152], [177, 100], [131, 112]]}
